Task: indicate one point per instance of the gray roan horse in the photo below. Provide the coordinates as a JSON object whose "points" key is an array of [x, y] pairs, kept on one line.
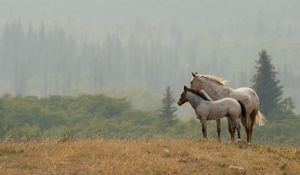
{"points": [[215, 87], [212, 110]]}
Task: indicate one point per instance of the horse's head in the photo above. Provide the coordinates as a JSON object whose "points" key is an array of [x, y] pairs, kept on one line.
{"points": [[200, 82], [183, 98], [196, 82]]}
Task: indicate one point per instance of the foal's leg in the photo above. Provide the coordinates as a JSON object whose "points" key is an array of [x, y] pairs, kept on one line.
{"points": [[230, 129], [233, 129], [204, 128], [219, 129], [238, 128]]}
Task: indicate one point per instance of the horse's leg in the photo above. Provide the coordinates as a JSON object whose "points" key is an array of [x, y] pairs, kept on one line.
{"points": [[204, 128], [244, 122], [219, 129], [253, 118], [250, 132]]}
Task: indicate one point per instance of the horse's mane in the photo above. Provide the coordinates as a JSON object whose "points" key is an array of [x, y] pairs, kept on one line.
{"points": [[216, 79], [200, 94]]}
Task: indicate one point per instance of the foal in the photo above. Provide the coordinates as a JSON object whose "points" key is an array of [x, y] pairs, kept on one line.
{"points": [[212, 110]]}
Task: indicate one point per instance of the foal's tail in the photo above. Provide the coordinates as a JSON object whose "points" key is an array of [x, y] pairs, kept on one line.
{"points": [[260, 119], [243, 109]]}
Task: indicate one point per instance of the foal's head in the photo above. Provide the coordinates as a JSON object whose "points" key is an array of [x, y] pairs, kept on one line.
{"points": [[183, 98]]}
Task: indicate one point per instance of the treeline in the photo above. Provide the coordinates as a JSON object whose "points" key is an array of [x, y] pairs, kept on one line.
{"points": [[46, 60], [83, 116], [92, 116]]}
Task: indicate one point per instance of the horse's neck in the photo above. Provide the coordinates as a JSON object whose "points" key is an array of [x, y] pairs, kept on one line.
{"points": [[194, 99], [216, 91]]}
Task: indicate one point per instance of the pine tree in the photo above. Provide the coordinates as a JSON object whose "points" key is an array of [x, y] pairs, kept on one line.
{"points": [[168, 109], [266, 84]]}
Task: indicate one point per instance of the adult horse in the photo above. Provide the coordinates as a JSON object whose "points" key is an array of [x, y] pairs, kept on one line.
{"points": [[212, 110], [215, 87]]}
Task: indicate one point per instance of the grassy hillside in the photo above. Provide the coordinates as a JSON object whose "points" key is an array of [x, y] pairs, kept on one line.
{"points": [[145, 156]]}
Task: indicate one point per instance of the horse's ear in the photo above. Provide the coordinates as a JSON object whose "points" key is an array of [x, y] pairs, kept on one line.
{"points": [[194, 74]]}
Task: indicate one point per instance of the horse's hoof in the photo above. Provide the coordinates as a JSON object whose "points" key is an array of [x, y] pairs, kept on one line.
{"points": [[204, 139], [242, 144]]}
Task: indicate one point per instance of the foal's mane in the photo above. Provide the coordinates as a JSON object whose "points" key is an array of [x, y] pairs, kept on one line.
{"points": [[200, 94], [215, 79]]}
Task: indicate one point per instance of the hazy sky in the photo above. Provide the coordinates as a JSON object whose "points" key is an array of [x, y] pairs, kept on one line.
{"points": [[226, 32], [191, 15]]}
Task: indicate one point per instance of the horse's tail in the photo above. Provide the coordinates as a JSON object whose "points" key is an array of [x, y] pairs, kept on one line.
{"points": [[260, 119], [243, 109]]}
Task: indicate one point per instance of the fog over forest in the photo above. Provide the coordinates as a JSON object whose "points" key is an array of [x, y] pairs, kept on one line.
{"points": [[56, 47]]}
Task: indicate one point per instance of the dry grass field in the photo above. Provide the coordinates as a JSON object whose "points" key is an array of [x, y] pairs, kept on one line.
{"points": [[146, 156]]}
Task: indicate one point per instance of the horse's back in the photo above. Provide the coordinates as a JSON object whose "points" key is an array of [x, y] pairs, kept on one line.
{"points": [[247, 96], [245, 91]]}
